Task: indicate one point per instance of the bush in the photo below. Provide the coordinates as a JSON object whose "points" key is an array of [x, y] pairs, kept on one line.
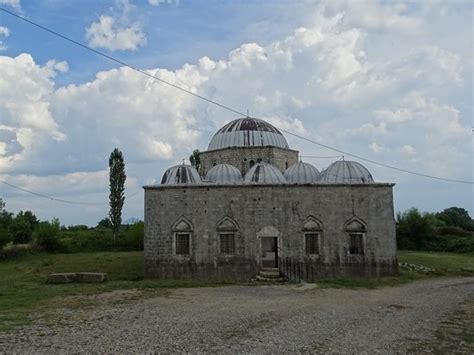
{"points": [[14, 251], [101, 239], [415, 230], [132, 239], [21, 231], [47, 236], [5, 237], [454, 231]]}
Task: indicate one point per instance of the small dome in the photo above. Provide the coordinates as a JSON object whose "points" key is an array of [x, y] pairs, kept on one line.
{"points": [[224, 174], [247, 132], [349, 172], [181, 174], [263, 173], [302, 173]]}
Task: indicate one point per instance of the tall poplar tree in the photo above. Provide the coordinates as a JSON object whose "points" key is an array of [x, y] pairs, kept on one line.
{"points": [[117, 189]]}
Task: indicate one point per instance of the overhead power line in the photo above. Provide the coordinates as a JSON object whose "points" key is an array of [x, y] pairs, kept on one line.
{"points": [[53, 198], [222, 105], [60, 199], [321, 157]]}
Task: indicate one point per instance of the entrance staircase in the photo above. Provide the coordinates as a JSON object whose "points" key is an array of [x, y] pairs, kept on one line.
{"points": [[269, 275]]}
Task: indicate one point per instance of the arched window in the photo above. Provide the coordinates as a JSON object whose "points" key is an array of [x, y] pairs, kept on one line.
{"points": [[227, 229], [251, 163], [312, 231], [356, 229], [182, 236]]}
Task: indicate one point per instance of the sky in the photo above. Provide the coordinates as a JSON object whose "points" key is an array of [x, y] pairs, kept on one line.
{"points": [[389, 81]]}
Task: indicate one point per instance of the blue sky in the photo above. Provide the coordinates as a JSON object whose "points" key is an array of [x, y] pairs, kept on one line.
{"points": [[391, 81]]}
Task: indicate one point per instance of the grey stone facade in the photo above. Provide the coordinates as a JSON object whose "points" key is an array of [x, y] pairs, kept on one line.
{"points": [[243, 157], [249, 213]]}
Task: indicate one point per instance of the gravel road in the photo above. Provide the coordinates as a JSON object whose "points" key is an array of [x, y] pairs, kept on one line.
{"points": [[264, 319]]}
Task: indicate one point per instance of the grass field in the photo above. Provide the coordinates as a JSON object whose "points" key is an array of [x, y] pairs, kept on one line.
{"points": [[23, 289]]}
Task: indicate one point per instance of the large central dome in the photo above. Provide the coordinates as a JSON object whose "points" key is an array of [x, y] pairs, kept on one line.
{"points": [[247, 132]]}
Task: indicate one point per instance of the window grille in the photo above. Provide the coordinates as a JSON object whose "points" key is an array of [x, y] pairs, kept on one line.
{"points": [[356, 243], [182, 243], [312, 243], [227, 243]]}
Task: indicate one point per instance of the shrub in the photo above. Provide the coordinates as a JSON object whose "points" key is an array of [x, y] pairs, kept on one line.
{"points": [[414, 229], [14, 251], [132, 238], [47, 236], [21, 231], [5, 237]]}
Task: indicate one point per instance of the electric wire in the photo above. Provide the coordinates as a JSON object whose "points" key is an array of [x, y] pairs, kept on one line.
{"points": [[60, 199], [225, 106]]}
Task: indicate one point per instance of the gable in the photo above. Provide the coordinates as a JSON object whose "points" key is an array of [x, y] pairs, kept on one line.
{"points": [[311, 224], [355, 224], [182, 225], [227, 224]]}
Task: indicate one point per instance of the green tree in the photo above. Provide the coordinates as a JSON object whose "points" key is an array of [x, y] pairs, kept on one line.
{"points": [[117, 179], [47, 235], [414, 229], [21, 231], [195, 159], [456, 217], [104, 223], [6, 217]]}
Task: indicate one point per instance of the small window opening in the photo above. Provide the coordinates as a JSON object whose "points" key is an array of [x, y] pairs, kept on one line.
{"points": [[251, 163], [356, 243], [182, 243], [286, 165], [259, 160], [312, 243], [227, 243]]}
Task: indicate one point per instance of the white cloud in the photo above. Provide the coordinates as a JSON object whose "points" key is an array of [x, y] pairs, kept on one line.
{"points": [[4, 32], [13, 3], [106, 33], [116, 32], [160, 2], [407, 149], [26, 122]]}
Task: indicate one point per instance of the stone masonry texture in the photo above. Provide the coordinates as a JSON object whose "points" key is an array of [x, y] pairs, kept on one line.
{"points": [[256, 211]]}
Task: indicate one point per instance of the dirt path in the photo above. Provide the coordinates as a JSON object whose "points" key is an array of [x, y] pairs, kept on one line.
{"points": [[414, 318]]}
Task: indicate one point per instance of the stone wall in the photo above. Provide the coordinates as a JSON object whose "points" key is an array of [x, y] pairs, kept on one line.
{"points": [[241, 157], [255, 211]]}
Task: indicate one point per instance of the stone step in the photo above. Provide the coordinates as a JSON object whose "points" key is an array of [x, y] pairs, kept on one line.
{"points": [[269, 280], [270, 274]]}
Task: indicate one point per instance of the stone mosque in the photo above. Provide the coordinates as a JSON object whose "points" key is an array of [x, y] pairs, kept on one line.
{"points": [[253, 207]]}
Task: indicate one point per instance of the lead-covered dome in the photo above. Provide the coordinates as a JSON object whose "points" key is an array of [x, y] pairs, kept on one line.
{"points": [[349, 172], [248, 132], [224, 174], [302, 173], [180, 174], [263, 173]]}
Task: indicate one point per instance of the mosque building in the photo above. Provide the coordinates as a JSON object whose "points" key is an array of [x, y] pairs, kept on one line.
{"points": [[254, 207]]}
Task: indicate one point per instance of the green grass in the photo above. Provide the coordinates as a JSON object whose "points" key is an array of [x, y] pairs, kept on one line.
{"points": [[23, 288], [445, 264]]}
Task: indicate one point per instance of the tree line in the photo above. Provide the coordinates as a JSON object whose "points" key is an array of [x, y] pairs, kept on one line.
{"points": [[451, 230]]}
